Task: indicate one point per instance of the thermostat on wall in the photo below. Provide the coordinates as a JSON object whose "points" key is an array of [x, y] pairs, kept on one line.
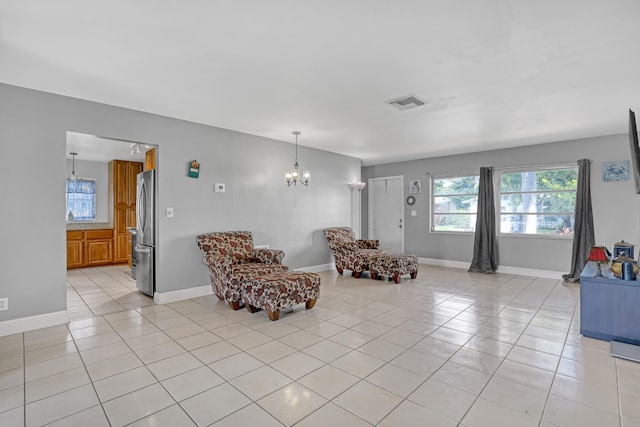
{"points": [[219, 188]]}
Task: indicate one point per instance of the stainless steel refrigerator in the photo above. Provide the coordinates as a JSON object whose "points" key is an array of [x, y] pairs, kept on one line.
{"points": [[145, 232]]}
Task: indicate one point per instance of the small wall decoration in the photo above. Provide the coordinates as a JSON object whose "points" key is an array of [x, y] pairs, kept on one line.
{"points": [[415, 186], [615, 171], [194, 169]]}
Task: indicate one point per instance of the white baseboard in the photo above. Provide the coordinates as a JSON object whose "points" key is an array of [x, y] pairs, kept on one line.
{"points": [[182, 294], [520, 271], [25, 324]]}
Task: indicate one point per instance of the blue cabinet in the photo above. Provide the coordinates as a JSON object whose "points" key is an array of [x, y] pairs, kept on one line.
{"points": [[609, 307]]}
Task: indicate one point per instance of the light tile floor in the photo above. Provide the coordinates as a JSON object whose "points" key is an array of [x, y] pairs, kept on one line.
{"points": [[446, 349]]}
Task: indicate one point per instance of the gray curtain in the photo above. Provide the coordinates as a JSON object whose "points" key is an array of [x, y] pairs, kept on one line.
{"points": [[583, 234], [485, 245]]}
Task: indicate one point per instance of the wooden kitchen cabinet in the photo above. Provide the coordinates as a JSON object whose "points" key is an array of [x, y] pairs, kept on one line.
{"points": [[75, 249], [150, 159], [99, 247], [123, 182], [88, 248]]}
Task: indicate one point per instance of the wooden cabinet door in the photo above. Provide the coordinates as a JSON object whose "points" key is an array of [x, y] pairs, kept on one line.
{"points": [[120, 182], [121, 253], [75, 253], [131, 216], [120, 219], [75, 248], [150, 159], [133, 169], [99, 252]]}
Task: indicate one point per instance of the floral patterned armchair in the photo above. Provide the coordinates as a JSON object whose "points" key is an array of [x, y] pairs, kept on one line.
{"points": [[232, 259], [349, 253]]}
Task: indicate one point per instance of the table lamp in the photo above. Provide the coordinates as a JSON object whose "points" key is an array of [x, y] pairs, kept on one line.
{"points": [[598, 255]]}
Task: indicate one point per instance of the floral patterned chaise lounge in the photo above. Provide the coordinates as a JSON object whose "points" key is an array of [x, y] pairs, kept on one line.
{"points": [[362, 255], [349, 253], [232, 259]]}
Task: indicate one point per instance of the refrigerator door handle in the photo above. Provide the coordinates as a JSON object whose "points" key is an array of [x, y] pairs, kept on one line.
{"points": [[143, 249], [143, 213]]}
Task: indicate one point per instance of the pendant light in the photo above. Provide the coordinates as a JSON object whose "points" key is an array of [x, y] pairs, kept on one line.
{"points": [[293, 176], [73, 176]]}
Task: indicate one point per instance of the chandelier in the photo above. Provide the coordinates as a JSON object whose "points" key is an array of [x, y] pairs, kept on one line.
{"points": [[293, 176], [73, 176]]}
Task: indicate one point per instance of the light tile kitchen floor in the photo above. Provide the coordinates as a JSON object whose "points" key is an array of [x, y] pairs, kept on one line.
{"points": [[449, 348]]}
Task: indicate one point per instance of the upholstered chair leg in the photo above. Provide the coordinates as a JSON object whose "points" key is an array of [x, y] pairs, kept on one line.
{"points": [[357, 274], [310, 303], [235, 305], [374, 275], [396, 278], [251, 308], [414, 274], [340, 270], [273, 315]]}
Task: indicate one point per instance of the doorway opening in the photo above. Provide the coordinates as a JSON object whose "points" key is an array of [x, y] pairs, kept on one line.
{"points": [[101, 260]]}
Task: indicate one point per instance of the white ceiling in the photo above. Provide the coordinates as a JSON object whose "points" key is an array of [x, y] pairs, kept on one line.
{"points": [[496, 73]]}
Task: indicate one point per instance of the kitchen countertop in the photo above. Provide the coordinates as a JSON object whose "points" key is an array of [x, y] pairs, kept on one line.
{"points": [[88, 225]]}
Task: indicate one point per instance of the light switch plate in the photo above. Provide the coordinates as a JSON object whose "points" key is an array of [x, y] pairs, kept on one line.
{"points": [[414, 213], [219, 188], [169, 212]]}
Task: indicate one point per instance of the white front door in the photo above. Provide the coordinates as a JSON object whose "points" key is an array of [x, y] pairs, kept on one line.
{"points": [[386, 212]]}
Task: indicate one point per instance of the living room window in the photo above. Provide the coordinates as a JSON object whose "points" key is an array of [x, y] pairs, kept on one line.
{"points": [[538, 201], [454, 203], [81, 199]]}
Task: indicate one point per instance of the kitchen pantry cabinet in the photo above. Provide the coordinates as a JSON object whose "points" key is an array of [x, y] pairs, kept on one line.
{"points": [[88, 248], [122, 182]]}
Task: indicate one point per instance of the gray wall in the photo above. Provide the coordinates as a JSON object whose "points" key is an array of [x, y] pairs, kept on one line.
{"points": [[100, 172], [33, 128], [615, 204]]}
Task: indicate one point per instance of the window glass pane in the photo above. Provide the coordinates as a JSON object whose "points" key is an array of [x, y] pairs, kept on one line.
{"points": [[560, 202], [537, 224], [456, 185], [467, 204], [540, 202], [454, 222], [455, 203], [548, 180]]}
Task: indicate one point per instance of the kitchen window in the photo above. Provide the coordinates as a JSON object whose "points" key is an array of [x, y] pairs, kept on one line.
{"points": [[81, 200]]}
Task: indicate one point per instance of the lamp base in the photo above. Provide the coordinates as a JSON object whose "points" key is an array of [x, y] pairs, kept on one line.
{"points": [[598, 270]]}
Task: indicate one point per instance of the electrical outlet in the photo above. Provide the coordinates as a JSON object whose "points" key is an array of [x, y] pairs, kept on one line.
{"points": [[169, 212], [219, 188], [4, 304]]}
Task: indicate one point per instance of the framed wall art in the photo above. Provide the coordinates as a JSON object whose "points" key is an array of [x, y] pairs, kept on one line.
{"points": [[415, 186], [615, 171]]}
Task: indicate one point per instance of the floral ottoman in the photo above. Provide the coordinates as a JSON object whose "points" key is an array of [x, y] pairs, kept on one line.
{"points": [[273, 292], [394, 266]]}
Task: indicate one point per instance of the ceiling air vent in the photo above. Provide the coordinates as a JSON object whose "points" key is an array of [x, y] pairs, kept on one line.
{"points": [[407, 102]]}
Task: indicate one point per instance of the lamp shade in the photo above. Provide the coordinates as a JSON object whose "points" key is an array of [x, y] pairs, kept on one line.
{"points": [[598, 254], [359, 185]]}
